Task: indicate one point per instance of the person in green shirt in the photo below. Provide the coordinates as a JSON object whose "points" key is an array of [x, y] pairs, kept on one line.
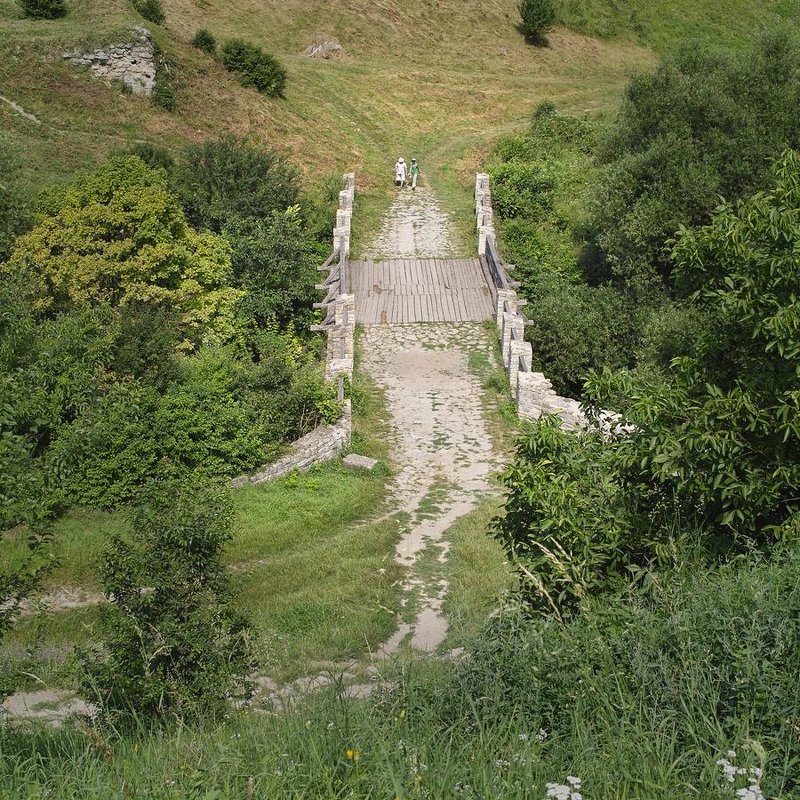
{"points": [[414, 171]]}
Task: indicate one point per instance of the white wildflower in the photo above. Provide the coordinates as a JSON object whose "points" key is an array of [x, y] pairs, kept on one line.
{"points": [[568, 791]]}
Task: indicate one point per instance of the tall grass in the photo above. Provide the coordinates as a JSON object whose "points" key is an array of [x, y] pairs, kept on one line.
{"points": [[639, 697]]}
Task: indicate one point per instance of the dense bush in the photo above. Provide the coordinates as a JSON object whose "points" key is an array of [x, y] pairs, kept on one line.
{"points": [[537, 18], [151, 10], [16, 214], [155, 156], [44, 9], [275, 261], [576, 328], [521, 189], [250, 194], [232, 179], [706, 124], [175, 644], [205, 41], [713, 445], [121, 237], [254, 67], [93, 314]]}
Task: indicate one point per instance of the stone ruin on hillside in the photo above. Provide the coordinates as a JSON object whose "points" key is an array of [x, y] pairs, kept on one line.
{"points": [[132, 63], [327, 49]]}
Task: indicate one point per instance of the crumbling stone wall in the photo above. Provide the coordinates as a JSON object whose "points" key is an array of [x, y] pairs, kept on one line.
{"points": [[132, 63], [322, 444]]}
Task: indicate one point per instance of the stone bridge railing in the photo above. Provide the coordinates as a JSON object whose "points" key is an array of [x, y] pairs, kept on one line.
{"points": [[328, 441], [339, 302], [532, 391]]}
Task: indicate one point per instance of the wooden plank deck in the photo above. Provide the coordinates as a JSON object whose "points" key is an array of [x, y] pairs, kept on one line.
{"points": [[433, 290]]}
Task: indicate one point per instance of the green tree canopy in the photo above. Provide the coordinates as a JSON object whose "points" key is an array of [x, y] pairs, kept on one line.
{"points": [[714, 446], [704, 125], [120, 237]]}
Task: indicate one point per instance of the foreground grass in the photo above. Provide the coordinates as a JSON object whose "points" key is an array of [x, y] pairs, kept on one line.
{"points": [[478, 573], [638, 696]]}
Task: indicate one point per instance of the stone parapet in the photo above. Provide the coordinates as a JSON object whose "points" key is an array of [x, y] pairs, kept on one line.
{"points": [[322, 444], [532, 391], [326, 443]]}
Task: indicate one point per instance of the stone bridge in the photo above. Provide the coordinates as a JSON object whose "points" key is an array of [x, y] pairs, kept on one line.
{"points": [[411, 290]]}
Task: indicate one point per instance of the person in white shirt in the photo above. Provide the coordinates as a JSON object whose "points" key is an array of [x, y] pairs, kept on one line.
{"points": [[400, 173]]}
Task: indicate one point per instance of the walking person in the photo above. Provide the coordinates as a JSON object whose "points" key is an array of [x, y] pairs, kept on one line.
{"points": [[414, 173], [400, 173]]}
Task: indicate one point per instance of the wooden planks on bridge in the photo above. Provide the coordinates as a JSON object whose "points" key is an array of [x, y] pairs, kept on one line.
{"points": [[408, 290]]}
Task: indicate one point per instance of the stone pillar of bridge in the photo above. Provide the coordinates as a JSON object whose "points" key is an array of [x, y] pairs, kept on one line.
{"points": [[512, 327], [517, 351], [505, 296]]}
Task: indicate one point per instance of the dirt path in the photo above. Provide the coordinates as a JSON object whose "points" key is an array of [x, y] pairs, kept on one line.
{"points": [[441, 444], [414, 227], [442, 451]]}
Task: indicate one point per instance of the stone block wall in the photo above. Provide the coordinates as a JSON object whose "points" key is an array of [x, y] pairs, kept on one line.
{"points": [[532, 391], [341, 338], [132, 63], [322, 444]]}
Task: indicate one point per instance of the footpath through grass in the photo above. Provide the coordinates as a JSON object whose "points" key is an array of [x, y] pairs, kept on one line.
{"points": [[639, 697]]}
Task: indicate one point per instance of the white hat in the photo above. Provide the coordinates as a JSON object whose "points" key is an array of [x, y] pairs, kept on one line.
{"points": [[400, 160]]}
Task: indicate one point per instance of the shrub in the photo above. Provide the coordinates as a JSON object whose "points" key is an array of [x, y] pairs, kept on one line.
{"points": [[120, 237], [234, 179], [537, 18], [705, 124], [151, 10], [575, 329], [175, 643], [164, 95], [155, 156], [522, 189], [254, 67], [712, 444], [205, 41], [16, 214], [44, 9]]}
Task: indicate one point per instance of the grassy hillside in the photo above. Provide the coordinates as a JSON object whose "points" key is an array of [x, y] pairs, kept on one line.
{"points": [[440, 80], [665, 25]]}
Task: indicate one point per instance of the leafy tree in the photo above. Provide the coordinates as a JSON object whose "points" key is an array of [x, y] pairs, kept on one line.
{"points": [[714, 446], [537, 18], [275, 262], [705, 124], [175, 643], [120, 237], [232, 179], [254, 67]]}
